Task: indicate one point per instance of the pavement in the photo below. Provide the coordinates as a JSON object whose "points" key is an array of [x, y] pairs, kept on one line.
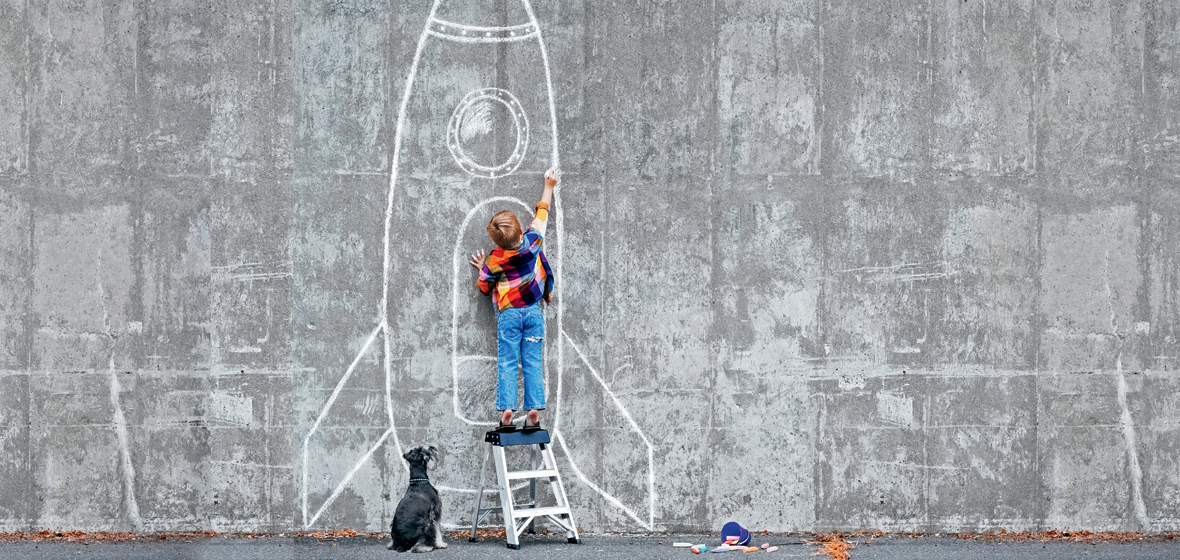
{"points": [[598, 547]]}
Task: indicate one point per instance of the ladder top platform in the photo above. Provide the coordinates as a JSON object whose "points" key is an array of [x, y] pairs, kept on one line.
{"points": [[506, 439]]}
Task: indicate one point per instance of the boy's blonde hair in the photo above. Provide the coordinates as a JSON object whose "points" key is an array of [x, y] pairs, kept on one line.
{"points": [[504, 229]]}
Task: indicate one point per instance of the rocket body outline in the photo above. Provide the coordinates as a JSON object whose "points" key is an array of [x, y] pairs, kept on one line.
{"points": [[470, 34]]}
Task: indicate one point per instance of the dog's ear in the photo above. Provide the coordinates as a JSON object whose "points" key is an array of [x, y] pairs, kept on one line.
{"points": [[432, 453]]}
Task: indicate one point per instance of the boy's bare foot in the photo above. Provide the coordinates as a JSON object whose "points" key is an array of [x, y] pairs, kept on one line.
{"points": [[506, 418], [533, 418]]}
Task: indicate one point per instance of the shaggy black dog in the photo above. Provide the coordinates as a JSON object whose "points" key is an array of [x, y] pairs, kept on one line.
{"points": [[416, 522]]}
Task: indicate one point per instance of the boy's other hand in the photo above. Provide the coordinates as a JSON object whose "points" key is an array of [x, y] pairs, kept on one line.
{"points": [[551, 178], [477, 258]]}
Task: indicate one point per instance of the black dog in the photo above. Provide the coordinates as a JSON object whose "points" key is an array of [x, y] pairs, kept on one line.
{"points": [[416, 522]]}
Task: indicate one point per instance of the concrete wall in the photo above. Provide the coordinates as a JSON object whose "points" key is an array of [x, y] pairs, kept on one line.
{"points": [[822, 264]]}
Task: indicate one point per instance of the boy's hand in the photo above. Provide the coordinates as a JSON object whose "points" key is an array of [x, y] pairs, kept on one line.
{"points": [[551, 178], [477, 258]]}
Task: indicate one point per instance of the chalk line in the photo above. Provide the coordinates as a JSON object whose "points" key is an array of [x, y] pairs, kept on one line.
{"points": [[124, 449], [558, 215], [324, 412], [457, 127], [651, 475], [348, 477], [463, 33], [1132, 457], [383, 314]]}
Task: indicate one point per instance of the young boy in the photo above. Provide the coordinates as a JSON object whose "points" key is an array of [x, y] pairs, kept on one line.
{"points": [[518, 277]]}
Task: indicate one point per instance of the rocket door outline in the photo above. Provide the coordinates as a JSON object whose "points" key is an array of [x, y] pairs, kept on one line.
{"points": [[468, 119]]}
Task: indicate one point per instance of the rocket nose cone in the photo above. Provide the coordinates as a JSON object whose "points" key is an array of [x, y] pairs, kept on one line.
{"points": [[484, 13]]}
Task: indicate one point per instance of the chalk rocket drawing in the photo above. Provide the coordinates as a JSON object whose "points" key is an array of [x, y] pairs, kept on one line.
{"points": [[487, 137]]}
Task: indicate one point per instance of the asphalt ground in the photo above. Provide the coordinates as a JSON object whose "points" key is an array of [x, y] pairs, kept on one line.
{"points": [[592, 547]]}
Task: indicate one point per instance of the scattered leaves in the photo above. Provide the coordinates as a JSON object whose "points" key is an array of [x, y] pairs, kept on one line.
{"points": [[833, 544], [1004, 535], [184, 536], [342, 533], [479, 534], [87, 538]]}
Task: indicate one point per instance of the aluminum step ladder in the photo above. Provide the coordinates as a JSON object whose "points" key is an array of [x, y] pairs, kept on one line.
{"points": [[518, 517]]}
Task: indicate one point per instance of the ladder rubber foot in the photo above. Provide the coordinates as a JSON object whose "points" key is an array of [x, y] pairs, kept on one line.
{"points": [[573, 541], [514, 546], [472, 539]]}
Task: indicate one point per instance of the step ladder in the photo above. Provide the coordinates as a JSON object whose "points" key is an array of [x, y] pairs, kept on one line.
{"points": [[518, 517]]}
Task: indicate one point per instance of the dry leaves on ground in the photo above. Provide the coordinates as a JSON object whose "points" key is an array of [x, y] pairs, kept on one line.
{"points": [[835, 545], [1077, 536], [84, 537], [178, 536], [479, 534], [342, 533]]}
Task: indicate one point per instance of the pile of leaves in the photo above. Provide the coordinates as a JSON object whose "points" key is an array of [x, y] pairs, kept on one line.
{"points": [[835, 545], [479, 534]]}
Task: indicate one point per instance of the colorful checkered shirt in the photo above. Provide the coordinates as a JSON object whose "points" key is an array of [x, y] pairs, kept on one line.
{"points": [[521, 277]]}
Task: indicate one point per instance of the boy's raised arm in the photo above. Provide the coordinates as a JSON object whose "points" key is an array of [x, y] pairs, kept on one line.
{"points": [[542, 215]]}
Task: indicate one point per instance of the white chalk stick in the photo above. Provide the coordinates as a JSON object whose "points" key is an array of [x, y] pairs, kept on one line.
{"points": [[681, 545]]}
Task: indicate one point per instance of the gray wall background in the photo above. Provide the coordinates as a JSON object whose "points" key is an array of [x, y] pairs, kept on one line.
{"points": [[897, 265]]}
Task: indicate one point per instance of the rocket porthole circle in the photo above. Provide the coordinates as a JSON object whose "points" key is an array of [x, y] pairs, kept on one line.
{"points": [[472, 128]]}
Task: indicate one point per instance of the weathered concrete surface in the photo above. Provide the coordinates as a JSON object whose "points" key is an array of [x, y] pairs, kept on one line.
{"points": [[824, 264]]}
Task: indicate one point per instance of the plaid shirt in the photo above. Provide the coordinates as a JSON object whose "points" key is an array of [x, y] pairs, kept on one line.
{"points": [[521, 277]]}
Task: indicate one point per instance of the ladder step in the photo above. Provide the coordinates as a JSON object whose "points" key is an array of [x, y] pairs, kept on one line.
{"points": [[541, 511], [541, 473]]}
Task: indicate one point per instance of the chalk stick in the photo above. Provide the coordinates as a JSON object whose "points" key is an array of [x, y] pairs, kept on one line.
{"points": [[681, 545], [765, 545], [772, 549], [719, 549], [731, 540], [750, 549]]}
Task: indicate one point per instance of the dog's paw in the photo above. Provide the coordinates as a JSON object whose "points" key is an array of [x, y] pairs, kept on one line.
{"points": [[389, 546], [422, 548], [440, 545]]}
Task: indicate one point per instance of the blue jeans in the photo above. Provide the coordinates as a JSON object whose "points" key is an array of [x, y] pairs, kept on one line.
{"points": [[521, 333]]}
